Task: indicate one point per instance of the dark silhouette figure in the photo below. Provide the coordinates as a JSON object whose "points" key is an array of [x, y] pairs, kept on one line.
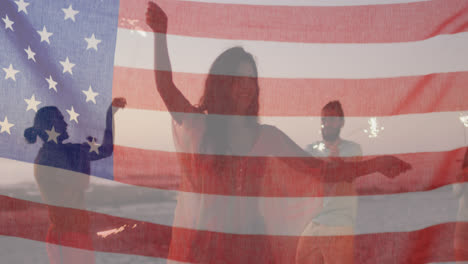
{"points": [[62, 174], [223, 150]]}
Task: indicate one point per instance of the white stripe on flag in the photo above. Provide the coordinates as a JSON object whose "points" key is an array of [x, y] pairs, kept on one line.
{"points": [[431, 132], [274, 216], [443, 53], [13, 249]]}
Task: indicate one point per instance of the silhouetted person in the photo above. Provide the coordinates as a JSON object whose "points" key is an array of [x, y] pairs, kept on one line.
{"points": [[217, 139], [338, 216], [461, 229], [62, 174], [333, 145]]}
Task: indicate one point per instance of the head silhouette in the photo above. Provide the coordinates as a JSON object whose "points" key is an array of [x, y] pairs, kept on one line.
{"points": [[47, 118], [230, 89], [232, 85], [332, 121]]}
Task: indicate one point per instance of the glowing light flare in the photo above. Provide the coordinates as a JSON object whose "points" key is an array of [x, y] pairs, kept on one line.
{"points": [[320, 146], [464, 119], [374, 128], [114, 231]]}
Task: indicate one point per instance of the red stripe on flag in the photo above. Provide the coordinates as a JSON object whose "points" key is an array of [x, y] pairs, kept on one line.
{"points": [[158, 169], [432, 244], [390, 96], [348, 24], [30, 220]]}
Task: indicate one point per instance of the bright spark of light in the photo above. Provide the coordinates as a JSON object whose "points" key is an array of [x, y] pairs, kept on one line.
{"points": [[320, 146], [113, 231], [464, 119], [374, 128]]}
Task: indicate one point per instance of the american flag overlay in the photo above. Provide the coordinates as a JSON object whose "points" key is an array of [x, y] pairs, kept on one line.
{"points": [[222, 131]]}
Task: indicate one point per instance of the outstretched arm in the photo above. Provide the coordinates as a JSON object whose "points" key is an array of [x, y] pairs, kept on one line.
{"points": [[336, 170], [173, 98]]}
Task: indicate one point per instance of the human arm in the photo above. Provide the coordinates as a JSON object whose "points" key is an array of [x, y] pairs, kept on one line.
{"points": [[332, 170], [107, 147], [173, 98]]}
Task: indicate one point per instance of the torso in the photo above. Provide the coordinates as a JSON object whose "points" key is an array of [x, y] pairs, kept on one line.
{"points": [[237, 177], [55, 171]]}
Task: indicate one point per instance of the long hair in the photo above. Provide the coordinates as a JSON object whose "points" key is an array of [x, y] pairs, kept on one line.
{"points": [[216, 97], [218, 102]]}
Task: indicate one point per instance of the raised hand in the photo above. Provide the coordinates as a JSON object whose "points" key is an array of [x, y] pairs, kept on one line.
{"points": [[119, 102], [156, 18]]}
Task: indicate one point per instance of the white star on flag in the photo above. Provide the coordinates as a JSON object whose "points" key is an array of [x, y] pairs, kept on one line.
{"points": [[30, 53], [70, 13], [22, 6], [6, 126], [67, 66], [90, 95], [52, 135], [52, 83], [94, 146], [73, 115], [8, 23], [10, 73], [32, 103], [45, 35], [92, 42]]}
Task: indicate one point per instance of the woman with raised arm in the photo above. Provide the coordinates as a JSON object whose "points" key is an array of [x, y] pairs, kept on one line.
{"points": [[222, 148], [62, 174]]}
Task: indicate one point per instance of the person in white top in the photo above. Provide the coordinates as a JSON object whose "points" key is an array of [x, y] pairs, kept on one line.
{"points": [[338, 214]]}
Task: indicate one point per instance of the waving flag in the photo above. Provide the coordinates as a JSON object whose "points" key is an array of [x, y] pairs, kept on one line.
{"points": [[398, 67]]}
